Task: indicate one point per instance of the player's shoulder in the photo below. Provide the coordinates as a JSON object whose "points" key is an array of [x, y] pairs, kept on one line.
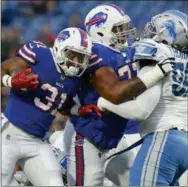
{"points": [[101, 56], [145, 48], [101, 49], [31, 51], [34, 45]]}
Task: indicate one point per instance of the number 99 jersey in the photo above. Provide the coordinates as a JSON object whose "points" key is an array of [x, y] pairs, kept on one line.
{"points": [[171, 111], [178, 80], [34, 111]]}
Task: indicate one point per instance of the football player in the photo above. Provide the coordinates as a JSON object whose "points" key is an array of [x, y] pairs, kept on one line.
{"points": [[162, 109], [91, 140], [36, 95]]}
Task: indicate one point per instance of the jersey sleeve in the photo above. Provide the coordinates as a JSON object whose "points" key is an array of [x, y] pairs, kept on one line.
{"points": [[30, 52], [99, 58]]}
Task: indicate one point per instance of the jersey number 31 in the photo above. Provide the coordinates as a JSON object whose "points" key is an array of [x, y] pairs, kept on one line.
{"points": [[49, 106]]}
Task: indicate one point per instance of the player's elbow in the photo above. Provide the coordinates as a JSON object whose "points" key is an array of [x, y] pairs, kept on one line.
{"points": [[141, 116], [116, 97], [113, 98]]}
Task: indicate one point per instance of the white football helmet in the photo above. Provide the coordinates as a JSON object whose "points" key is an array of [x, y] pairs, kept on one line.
{"points": [[109, 25], [72, 49], [169, 27]]}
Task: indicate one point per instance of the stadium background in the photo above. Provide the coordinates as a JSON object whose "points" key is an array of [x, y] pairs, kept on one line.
{"points": [[26, 20]]}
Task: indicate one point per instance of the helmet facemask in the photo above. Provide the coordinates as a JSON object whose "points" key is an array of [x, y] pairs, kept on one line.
{"points": [[150, 31], [123, 35], [73, 62]]}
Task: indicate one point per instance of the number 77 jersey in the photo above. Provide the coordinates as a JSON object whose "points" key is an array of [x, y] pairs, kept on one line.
{"points": [[34, 111]]}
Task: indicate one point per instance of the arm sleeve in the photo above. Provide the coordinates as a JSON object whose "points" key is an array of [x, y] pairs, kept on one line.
{"points": [[30, 52], [138, 109]]}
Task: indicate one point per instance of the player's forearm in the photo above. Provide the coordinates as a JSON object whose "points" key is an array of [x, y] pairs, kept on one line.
{"points": [[128, 110], [111, 88], [9, 67], [139, 108], [4, 72], [122, 91]]}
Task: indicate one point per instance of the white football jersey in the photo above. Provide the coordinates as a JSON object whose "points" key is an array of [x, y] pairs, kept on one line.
{"points": [[172, 109]]}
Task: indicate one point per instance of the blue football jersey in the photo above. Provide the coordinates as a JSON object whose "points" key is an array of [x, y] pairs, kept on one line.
{"points": [[132, 127], [34, 111], [104, 132]]}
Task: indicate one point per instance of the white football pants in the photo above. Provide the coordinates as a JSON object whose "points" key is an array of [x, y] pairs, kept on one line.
{"points": [[87, 165], [35, 156]]}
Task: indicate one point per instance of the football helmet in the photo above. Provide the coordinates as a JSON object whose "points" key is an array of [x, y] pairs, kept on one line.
{"points": [[72, 49], [169, 27], [109, 25]]}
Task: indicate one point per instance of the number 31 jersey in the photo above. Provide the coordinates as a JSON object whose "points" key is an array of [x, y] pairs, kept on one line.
{"points": [[34, 111]]}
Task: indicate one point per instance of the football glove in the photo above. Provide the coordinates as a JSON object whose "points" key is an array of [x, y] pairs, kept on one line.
{"points": [[23, 79], [166, 65], [89, 109]]}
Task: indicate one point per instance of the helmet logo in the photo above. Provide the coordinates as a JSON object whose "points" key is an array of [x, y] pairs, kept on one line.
{"points": [[97, 20], [170, 26], [64, 35]]}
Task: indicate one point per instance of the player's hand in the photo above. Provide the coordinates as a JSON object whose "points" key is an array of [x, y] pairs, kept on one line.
{"points": [[88, 109], [24, 79], [166, 65]]}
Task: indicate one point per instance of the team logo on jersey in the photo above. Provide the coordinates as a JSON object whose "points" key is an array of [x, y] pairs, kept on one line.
{"points": [[59, 84], [97, 20], [64, 35], [170, 26]]}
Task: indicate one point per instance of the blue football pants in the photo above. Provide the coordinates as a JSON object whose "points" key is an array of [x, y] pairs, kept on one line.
{"points": [[162, 159]]}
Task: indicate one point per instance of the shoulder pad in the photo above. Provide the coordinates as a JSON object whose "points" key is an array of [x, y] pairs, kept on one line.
{"points": [[145, 49], [30, 50]]}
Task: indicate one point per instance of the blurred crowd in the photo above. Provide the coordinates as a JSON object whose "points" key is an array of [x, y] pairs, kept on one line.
{"points": [[17, 17], [42, 20]]}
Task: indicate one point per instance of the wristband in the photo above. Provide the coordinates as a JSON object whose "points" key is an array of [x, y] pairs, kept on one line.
{"points": [[151, 77], [6, 80]]}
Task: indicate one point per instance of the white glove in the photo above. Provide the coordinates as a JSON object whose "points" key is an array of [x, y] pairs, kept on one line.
{"points": [[160, 70], [166, 65]]}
